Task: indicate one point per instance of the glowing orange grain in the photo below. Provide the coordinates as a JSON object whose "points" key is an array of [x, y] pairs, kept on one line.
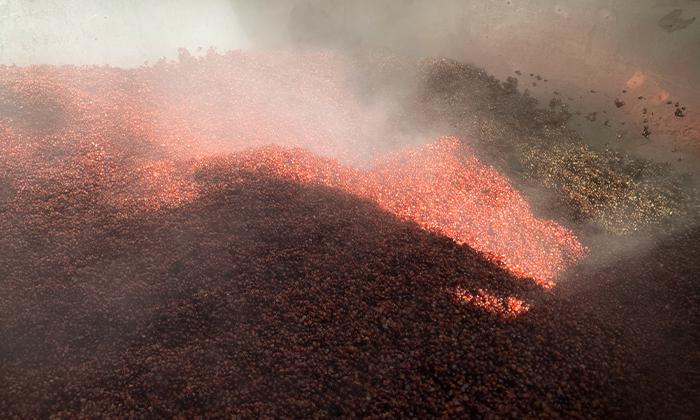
{"points": [[128, 131], [445, 189], [508, 307]]}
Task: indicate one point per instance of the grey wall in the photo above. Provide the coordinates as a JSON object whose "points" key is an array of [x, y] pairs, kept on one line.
{"points": [[649, 47], [594, 35]]}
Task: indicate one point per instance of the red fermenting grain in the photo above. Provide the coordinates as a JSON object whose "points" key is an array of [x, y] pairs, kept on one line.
{"points": [[122, 133], [443, 188]]}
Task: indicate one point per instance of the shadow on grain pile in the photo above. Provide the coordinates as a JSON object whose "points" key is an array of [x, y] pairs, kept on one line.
{"points": [[269, 297], [652, 297]]}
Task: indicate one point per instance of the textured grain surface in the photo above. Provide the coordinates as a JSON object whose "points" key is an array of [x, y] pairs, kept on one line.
{"points": [[161, 256]]}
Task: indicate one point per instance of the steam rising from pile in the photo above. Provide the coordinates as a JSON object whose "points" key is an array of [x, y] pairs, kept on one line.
{"points": [[151, 117]]}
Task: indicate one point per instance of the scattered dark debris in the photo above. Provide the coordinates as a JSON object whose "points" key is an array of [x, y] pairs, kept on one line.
{"points": [[646, 132], [619, 103], [592, 116], [679, 113]]}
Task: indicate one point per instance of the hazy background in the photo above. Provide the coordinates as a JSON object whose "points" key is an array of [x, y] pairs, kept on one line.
{"points": [[649, 47], [577, 40], [116, 32]]}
